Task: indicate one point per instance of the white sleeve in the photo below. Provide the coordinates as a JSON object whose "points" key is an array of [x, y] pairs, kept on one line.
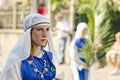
{"points": [[10, 74], [74, 57], [66, 26]]}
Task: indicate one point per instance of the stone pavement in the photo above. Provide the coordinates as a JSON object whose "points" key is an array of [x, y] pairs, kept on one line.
{"points": [[100, 74], [104, 74]]}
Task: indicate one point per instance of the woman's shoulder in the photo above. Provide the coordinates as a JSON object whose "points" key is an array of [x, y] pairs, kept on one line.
{"points": [[48, 53], [79, 40]]}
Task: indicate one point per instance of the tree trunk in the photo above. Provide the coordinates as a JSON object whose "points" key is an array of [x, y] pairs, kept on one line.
{"points": [[72, 16], [48, 9]]}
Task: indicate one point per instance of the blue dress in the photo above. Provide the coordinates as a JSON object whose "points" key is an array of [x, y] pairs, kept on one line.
{"points": [[28, 71], [79, 44]]}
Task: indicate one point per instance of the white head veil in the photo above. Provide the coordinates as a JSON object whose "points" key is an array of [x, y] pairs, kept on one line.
{"points": [[80, 27], [22, 48]]}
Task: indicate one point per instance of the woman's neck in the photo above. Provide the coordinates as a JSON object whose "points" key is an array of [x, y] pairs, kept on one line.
{"points": [[82, 36], [37, 51]]}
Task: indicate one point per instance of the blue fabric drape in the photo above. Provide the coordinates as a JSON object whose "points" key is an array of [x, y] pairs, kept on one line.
{"points": [[79, 43], [83, 74], [27, 70]]}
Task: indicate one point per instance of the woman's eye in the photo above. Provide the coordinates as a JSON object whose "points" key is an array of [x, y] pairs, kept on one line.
{"points": [[47, 29]]}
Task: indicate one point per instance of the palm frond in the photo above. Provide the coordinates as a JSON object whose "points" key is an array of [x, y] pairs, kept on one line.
{"points": [[84, 9], [87, 50], [102, 27]]}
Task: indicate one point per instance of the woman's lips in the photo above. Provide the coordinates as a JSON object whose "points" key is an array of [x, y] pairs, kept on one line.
{"points": [[43, 39]]}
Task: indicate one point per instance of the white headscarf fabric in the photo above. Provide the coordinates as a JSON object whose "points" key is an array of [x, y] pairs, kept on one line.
{"points": [[80, 27], [22, 48], [76, 63]]}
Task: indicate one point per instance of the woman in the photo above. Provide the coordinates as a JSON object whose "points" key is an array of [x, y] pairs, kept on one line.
{"points": [[113, 55], [78, 65], [28, 59]]}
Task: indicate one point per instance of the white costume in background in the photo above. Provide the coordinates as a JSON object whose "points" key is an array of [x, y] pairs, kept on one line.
{"points": [[62, 38], [62, 25], [76, 63], [22, 48]]}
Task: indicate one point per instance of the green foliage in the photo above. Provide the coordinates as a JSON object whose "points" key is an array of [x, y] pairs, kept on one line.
{"points": [[88, 52], [84, 9], [91, 25], [102, 18], [80, 18], [57, 5]]}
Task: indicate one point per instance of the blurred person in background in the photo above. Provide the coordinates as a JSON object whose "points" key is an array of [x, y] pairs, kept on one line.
{"points": [[29, 58], [78, 65], [42, 9], [113, 55], [63, 32]]}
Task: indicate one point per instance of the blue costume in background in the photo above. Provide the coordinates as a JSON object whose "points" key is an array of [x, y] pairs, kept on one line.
{"points": [[79, 44], [77, 59], [28, 70]]}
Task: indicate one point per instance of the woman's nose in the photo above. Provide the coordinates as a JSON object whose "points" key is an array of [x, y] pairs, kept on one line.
{"points": [[44, 34]]}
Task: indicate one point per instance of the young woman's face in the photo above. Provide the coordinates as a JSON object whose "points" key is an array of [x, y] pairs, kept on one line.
{"points": [[40, 35], [118, 39], [85, 31]]}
